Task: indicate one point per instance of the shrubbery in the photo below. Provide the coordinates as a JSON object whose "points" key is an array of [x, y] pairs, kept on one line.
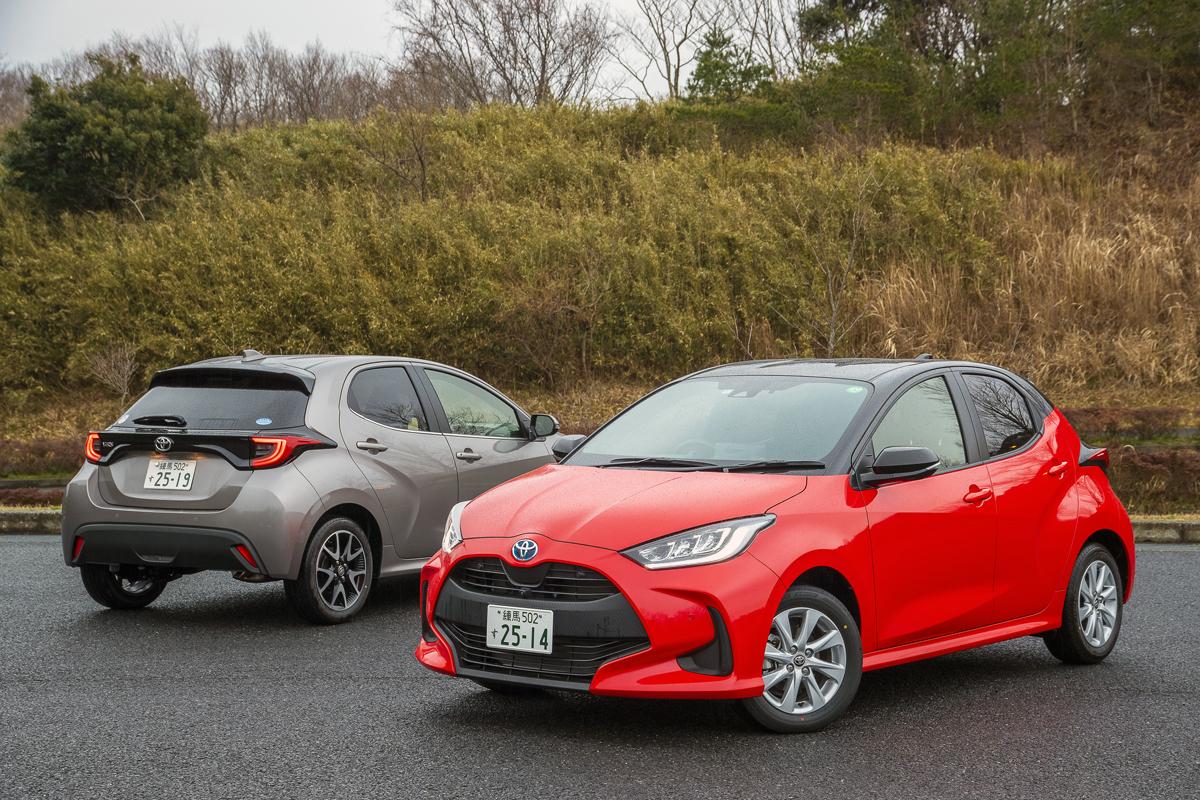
{"points": [[631, 244]]}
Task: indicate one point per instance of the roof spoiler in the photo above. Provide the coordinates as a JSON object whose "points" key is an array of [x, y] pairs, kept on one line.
{"points": [[292, 377]]}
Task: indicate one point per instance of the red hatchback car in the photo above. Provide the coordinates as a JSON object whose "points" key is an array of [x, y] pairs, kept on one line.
{"points": [[766, 531]]}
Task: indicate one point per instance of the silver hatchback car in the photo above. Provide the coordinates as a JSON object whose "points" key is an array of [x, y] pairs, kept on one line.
{"points": [[327, 472]]}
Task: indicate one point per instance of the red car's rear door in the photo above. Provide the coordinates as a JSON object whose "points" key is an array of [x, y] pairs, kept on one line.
{"points": [[1032, 464], [933, 539]]}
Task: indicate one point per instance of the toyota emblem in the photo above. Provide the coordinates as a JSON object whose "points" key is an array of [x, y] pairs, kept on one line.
{"points": [[163, 443], [524, 549]]}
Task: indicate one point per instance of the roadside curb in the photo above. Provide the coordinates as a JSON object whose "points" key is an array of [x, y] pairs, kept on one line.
{"points": [[1158, 531], [30, 521]]}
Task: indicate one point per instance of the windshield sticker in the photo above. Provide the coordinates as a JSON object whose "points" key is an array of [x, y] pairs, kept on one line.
{"points": [[263, 421]]}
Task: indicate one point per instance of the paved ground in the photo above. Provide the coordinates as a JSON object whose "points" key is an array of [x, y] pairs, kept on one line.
{"points": [[217, 691]]}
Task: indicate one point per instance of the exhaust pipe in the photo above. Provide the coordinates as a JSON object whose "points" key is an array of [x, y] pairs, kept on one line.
{"points": [[251, 577]]}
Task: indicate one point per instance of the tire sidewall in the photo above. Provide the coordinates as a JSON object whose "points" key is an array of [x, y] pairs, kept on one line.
{"points": [[1071, 625], [772, 718], [309, 576]]}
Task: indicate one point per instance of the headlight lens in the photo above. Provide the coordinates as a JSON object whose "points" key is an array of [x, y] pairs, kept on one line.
{"points": [[705, 545], [452, 537]]}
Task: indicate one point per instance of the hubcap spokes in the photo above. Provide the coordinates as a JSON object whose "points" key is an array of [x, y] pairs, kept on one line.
{"points": [[341, 570], [805, 661], [1098, 603]]}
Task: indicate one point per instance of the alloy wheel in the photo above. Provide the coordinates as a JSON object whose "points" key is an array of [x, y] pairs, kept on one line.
{"points": [[805, 661], [134, 587], [341, 570], [1098, 604]]}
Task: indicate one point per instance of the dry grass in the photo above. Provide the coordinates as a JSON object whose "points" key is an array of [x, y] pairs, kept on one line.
{"points": [[1099, 285]]}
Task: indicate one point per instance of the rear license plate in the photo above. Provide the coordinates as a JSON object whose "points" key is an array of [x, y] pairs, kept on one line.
{"points": [[167, 473], [530, 630]]}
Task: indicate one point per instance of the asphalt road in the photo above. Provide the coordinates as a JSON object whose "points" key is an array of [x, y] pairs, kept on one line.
{"points": [[218, 691]]}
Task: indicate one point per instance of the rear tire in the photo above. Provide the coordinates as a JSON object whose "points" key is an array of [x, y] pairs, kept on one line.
{"points": [[336, 575], [109, 589], [1092, 612], [813, 664]]}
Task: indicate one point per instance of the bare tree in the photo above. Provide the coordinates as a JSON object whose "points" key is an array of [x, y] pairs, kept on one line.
{"points": [[661, 41], [14, 102], [526, 52], [115, 367], [770, 30]]}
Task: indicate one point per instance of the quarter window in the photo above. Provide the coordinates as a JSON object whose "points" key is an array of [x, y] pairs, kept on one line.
{"points": [[924, 417], [1003, 412], [472, 410], [386, 395]]}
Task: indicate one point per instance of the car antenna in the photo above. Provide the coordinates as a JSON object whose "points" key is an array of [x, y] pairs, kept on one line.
{"points": [[252, 355], [924, 357]]}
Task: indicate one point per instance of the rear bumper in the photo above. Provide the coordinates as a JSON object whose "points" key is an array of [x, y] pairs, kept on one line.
{"points": [[272, 515], [701, 629], [168, 547]]}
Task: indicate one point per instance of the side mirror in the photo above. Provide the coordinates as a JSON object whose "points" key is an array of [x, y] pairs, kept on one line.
{"points": [[899, 464], [563, 446], [542, 425]]}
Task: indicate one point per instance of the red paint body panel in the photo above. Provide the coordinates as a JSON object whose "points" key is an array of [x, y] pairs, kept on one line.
{"points": [[931, 572]]}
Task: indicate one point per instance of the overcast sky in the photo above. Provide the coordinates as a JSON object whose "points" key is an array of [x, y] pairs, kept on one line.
{"points": [[36, 31]]}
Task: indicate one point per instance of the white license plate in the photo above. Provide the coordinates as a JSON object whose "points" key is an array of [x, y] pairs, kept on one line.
{"points": [[530, 630], [168, 473]]}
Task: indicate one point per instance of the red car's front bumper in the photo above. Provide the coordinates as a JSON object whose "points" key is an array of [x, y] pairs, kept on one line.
{"points": [[675, 607]]}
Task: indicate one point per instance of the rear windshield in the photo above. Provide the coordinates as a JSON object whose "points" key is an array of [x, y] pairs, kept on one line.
{"points": [[220, 402]]}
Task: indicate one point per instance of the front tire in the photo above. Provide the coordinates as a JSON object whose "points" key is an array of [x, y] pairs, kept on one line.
{"points": [[336, 575], [812, 664], [110, 589], [1092, 612]]}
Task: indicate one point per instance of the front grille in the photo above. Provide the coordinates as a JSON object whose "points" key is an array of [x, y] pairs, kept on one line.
{"points": [[551, 581], [575, 658]]}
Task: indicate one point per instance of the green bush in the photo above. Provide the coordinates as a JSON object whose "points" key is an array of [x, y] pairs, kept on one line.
{"points": [[541, 247]]}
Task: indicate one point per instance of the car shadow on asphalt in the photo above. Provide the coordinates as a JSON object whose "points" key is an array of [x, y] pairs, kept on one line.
{"points": [[962, 680], [263, 605]]}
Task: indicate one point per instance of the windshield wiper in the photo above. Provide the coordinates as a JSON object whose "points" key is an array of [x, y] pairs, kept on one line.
{"points": [[655, 461], [768, 466], [169, 420]]}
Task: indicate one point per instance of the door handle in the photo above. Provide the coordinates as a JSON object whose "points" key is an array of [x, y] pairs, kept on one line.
{"points": [[1057, 469], [371, 446], [468, 455], [977, 495]]}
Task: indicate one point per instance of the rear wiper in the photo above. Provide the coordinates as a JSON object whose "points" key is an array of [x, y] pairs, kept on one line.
{"points": [[768, 466], [169, 420], [655, 461]]}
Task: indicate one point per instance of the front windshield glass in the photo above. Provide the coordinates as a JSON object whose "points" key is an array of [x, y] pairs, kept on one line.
{"points": [[730, 419]]}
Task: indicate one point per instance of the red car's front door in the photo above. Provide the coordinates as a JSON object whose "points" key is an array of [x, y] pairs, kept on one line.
{"points": [[933, 539]]}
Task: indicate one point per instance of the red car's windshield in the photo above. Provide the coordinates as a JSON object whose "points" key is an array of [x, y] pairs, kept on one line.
{"points": [[729, 419]]}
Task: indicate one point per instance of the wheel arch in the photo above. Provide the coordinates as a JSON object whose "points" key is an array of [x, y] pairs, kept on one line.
{"points": [[1113, 543], [834, 582], [365, 519]]}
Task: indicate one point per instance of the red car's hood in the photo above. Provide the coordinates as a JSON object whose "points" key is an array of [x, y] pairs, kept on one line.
{"points": [[618, 508]]}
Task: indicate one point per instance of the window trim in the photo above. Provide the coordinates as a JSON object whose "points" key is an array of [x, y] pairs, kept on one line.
{"points": [[444, 421], [965, 421], [1039, 423], [421, 399]]}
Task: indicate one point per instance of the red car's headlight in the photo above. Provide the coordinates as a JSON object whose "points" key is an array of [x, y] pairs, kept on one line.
{"points": [[704, 545]]}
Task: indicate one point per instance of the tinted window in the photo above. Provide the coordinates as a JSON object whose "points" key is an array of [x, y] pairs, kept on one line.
{"points": [[1007, 423], [924, 417], [472, 410], [386, 395], [732, 418], [222, 402]]}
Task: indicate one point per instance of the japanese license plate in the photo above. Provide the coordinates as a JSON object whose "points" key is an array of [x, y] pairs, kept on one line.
{"points": [[169, 473], [530, 630]]}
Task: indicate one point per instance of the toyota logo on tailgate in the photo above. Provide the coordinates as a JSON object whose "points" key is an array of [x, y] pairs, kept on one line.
{"points": [[524, 549], [163, 443]]}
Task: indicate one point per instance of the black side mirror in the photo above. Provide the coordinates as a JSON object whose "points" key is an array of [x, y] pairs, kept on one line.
{"points": [[899, 464], [563, 446], [542, 425]]}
